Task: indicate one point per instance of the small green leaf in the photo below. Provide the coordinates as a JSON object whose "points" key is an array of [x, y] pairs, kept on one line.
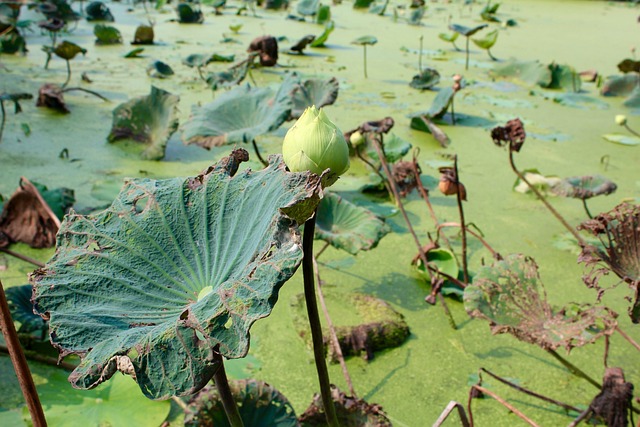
{"points": [[308, 7], [443, 260], [365, 40], [322, 38], [68, 50], [622, 139], [98, 11], [144, 35], [106, 35], [487, 41], [159, 70], [449, 37], [466, 31], [134, 53], [428, 78], [324, 14], [189, 14]]}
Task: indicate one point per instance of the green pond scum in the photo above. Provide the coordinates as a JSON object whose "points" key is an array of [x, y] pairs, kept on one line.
{"points": [[549, 63]]}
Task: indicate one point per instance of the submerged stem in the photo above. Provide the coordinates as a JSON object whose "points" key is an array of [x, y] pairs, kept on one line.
{"points": [[222, 384], [314, 322], [20, 363], [555, 213]]}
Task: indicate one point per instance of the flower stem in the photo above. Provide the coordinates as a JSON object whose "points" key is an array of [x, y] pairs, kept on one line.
{"points": [[555, 213], [465, 269], [68, 75], [314, 323], [365, 60], [20, 363], [466, 64], [631, 130], [574, 369], [222, 384], [255, 148], [4, 119]]}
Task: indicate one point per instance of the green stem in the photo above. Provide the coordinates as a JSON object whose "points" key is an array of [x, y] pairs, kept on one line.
{"points": [[420, 56], [493, 58], [255, 148], [586, 208], [20, 363], [314, 322], [631, 130], [466, 64], [574, 369], [365, 60], [555, 213], [68, 74], [228, 403], [90, 92]]}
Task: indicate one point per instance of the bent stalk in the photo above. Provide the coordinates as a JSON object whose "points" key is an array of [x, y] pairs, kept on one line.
{"points": [[314, 323], [255, 148], [20, 363], [465, 269]]}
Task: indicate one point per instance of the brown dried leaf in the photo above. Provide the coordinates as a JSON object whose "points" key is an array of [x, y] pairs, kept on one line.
{"points": [[512, 134], [51, 96], [267, 47]]}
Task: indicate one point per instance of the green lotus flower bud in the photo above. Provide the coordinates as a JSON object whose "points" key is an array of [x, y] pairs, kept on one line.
{"points": [[314, 144], [356, 138], [621, 119]]}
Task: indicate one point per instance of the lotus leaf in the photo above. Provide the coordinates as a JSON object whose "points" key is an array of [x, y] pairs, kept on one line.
{"points": [[231, 77], [441, 103], [189, 14], [68, 50], [510, 295], [442, 259], [239, 115], [466, 31], [633, 101], [324, 14], [542, 183], [394, 149], [144, 35], [428, 78], [51, 96], [260, 405], [416, 16], [347, 226], [487, 41], [19, 300], [564, 77], [622, 139], [322, 38], [365, 40], [134, 53], [106, 34], [307, 7], [172, 271], [379, 8], [98, 11], [302, 44], [150, 119], [629, 65], [159, 70], [314, 92], [620, 85], [12, 42], [529, 72], [584, 187], [197, 60], [362, 4], [449, 37]]}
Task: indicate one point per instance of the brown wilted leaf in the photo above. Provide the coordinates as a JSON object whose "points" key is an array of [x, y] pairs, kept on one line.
{"points": [[27, 218], [267, 47], [613, 403], [51, 96], [512, 134], [619, 233]]}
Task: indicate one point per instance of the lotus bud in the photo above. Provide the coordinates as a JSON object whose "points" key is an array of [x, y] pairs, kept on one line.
{"points": [[621, 119], [315, 144], [356, 138]]}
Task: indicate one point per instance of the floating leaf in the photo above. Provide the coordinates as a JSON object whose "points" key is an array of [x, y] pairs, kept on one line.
{"points": [[466, 31], [314, 92], [487, 41], [144, 35], [11, 41], [379, 8], [324, 14], [237, 116], [106, 34], [51, 96], [159, 70], [511, 297], [350, 411], [172, 270], [428, 78], [134, 53], [365, 40], [68, 50], [189, 13], [322, 38], [21, 308], [584, 187], [347, 226], [362, 4], [197, 60], [150, 120], [307, 7], [542, 183], [529, 72], [622, 139], [98, 11], [259, 405], [416, 15], [395, 148], [231, 77], [620, 85], [441, 103]]}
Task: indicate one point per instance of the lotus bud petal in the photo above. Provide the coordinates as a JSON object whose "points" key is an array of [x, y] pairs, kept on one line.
{"points": [[621, 119], [315, 144]]}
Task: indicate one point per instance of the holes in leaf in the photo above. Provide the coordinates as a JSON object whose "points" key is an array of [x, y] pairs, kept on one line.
{"points": [[141, 204]]}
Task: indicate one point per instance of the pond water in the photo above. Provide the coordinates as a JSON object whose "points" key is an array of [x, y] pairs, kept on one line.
{"points": [[437, 364]]}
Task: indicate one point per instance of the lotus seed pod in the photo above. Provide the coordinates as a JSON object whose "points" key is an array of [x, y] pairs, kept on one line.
{"points": [[621, 119], [315, 144]]}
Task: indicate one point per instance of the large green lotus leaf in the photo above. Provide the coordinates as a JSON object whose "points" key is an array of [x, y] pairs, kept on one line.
{"points": [[259, 404], [584, 187], [441, 103], [171, 270], [510, 295], [240, 115], [314, 92], [116, 403], [466, 31], [529, 72], [149, 119], [620, 85], [21, 308], [347, 226]]}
